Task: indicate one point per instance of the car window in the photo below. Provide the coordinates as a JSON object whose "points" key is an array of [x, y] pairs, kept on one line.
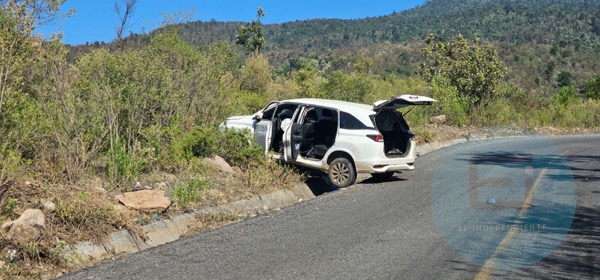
{"points": [[285, 111], [269, 110], [348, 121]]}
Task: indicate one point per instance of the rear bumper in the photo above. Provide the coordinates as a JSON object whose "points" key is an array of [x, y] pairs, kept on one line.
{"points": [[384, 164], [382, 167]]}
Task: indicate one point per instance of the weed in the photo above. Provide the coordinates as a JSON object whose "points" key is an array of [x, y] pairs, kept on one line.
{"points": [[124, 164], [8, 208], [423, 135], [89, 213], [189, 192], [270, 174], [220, 217]]}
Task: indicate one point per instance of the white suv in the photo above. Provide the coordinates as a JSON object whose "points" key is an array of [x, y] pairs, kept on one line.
{"points": [[341, 138]]}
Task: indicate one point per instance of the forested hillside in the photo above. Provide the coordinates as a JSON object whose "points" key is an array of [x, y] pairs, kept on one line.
{"points": [[571, 22], [536, 39]]}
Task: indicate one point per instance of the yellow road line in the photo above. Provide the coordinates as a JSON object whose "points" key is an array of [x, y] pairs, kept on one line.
{"points": [[512, 232], [489, 265]]}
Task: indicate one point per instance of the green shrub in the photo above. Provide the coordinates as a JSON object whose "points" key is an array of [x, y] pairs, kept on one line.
{"points": [[9, 163], [8, 208], [239, 148], [236, 147], [190, 191], [124, 164]]}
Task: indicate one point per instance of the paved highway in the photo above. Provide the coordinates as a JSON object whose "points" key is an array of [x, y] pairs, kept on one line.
{"points": [[504, 208]]}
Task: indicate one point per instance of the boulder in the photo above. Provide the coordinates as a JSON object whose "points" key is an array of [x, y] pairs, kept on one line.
{"points": [[26, 228], [219, 163], [441, 119], [145, 200]]}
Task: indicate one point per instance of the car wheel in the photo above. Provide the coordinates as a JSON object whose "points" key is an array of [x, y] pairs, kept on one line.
{"points": [[382, 176], [341, 173]]}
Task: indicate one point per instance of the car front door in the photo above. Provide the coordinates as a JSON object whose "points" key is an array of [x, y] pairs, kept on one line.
{"points": [[263, 126]]}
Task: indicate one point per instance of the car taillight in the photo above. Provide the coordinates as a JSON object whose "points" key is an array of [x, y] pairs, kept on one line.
{"points": [[376, 137]]}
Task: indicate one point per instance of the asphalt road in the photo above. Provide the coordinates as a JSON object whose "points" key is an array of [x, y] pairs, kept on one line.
{"points": [[504, 208]]}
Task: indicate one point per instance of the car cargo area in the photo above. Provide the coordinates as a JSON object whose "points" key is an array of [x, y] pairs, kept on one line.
{"points": [[395, 131]]}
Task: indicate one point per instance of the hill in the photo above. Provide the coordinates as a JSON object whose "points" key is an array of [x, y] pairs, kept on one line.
{"points": [[538, 40], [574, 22]]}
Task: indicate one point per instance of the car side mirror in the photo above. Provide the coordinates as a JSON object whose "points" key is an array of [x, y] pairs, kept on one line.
{"points": [[257, 117]]}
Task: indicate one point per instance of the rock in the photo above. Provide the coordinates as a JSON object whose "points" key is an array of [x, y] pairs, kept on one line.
{"points": [[100, 190], [137, 186], [26, 228], [49, 206], [441, 119], [120, 209], [219, 163], [161, 186], [145, 200]]}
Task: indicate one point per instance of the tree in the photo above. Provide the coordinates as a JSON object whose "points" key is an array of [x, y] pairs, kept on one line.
{"points": [[473, 69], [596, 25], [257, 74], [564, 79], [18, 48], [125, 10], [18, 20], [593, 88], [251, 35]]}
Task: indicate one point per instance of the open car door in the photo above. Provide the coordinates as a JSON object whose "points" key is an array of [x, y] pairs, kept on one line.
{"points": [[294, 134], [400, 101], [263, 126]]}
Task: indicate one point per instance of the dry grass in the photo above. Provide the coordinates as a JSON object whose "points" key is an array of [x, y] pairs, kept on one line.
{"points": [[80, 214], [87, 211]]}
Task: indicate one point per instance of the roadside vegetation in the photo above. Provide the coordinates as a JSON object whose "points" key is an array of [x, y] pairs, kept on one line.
{"points": [[75, 131]]}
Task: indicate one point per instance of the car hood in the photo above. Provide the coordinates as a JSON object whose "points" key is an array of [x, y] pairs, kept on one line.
{"points": [[400, 101], [239, 122]]}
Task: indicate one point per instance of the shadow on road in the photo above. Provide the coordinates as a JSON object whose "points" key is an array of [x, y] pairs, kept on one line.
{"points": [[319, 184], [372, 180], [578, 254]]}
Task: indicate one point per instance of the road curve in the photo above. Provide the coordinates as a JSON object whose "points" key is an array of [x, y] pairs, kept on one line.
{"points": [[502, 208]]}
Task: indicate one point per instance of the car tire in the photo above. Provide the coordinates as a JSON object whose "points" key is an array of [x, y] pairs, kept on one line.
{"points": [[382, 176], [341, 172]]}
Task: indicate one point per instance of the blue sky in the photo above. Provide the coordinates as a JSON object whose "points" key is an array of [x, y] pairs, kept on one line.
{"points": [[95, 20]]}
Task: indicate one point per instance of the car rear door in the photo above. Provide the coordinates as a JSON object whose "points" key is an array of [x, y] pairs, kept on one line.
{"points": [[293, 135], [400, 101]]}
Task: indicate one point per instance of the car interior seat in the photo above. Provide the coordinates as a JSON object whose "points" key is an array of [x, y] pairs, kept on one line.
{"points": [[277, 131], [308, 134], [326, 130]]}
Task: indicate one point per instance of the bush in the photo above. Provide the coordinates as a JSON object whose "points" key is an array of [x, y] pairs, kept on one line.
{"points": [[236, 147], [450, 103], [190, 191], [123, 164]]}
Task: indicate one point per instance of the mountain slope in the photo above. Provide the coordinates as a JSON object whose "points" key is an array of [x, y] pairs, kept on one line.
{"points": [[574, 22], [538, 40]]}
